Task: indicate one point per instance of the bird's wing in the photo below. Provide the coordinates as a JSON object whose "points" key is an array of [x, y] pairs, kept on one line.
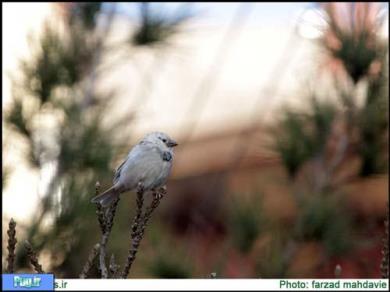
{"points": [[137, 153], [118, 171]]}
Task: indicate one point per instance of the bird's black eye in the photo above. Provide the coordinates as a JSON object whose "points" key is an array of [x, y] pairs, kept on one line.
{"points": [[164, 140]]}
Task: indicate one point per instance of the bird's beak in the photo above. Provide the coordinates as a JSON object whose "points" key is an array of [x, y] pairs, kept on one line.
{"points": [[172, 143]]}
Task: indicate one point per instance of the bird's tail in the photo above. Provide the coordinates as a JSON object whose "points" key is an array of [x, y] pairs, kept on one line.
{"points": [[106, 198]]}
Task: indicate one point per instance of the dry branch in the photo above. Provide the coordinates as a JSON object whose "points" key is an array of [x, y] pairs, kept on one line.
{"points": [[157, 196], [134, 228], [106, 220], [33, 258], [108, 223], [88, 265], [385, 249], [11, 245], [99, 210], [139, 225], [337, 271], [114, 268]]}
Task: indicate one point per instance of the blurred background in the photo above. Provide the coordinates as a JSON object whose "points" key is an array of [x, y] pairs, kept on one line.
{"points": [[280, 111]]}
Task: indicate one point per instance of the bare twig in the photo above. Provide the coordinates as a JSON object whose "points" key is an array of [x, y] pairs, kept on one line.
{"points": [[99, 210], [157, 196], [385, 249], [101, 219], [102, 256], [88, 265], [114, 268], [109, 217], [33, 258], [103, 242], [139, 225], [108, 223], [95, 250], [337, 271], [138, 215], [11, 246], [106, 220], [134, 228]]}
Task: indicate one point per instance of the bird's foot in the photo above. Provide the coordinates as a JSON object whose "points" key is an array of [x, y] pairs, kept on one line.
{"points": [[158, 195], [163, 190]]}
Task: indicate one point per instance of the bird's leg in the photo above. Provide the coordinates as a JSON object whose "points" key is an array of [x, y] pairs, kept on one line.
{"points": [[140, 188]]}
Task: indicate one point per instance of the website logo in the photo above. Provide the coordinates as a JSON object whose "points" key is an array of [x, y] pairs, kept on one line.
{"points": [[28, 282]]}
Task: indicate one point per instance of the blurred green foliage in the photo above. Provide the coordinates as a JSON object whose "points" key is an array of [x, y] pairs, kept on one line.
{"points": [[361, 49], [302, 134], [85, 13], [374, 122], [363, 54], [325, 133], [17, 118], [41, 74], [167, 266], [156, 29], [163, 257], [292, 145], [357, 45], [273, 262], [323, 218], [246, 221]]}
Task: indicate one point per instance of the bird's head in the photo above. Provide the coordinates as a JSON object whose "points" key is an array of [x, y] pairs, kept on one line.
{"points": [[160, 138]]}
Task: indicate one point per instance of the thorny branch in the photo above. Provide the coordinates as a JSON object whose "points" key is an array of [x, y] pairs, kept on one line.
{"points": [[99, 210], [106, 220], [11, 245], [33, 258], [139, 225], [337, 271], [114, 268], [385, 249], [134, 228], [157, 196], [109, 220], [88, 265]]}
